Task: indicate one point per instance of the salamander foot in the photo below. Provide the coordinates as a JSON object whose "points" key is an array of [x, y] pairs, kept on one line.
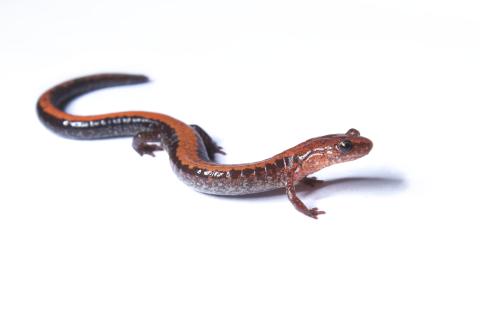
{"points": [[210, 145], [147, 143]]}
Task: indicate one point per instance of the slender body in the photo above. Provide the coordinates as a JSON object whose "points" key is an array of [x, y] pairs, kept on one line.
{"points": [[191, 149]]}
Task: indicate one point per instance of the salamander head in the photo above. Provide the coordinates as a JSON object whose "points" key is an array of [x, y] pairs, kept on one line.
{"points": [[336, 148]]}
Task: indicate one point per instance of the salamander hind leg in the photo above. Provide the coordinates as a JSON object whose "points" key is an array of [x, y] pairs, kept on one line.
{"points": [[210, 145], [147, 142]]}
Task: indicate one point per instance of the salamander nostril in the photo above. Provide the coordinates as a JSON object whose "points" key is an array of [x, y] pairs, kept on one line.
{"points": [[345, 146]]}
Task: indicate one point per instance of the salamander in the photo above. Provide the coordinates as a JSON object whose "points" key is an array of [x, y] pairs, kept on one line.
{"points": [[191, 149]]}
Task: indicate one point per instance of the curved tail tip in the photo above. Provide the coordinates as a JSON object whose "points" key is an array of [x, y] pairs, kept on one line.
{"points": [[137, 78]]}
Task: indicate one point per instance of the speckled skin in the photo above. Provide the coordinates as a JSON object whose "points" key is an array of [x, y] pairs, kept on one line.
{"points": [[190, 148]]}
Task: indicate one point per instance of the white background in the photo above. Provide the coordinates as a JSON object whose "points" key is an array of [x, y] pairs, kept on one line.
{"points": [[89, 230]]}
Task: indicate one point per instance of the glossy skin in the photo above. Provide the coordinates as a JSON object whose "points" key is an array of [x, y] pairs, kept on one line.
{"points": [[190, 148]]}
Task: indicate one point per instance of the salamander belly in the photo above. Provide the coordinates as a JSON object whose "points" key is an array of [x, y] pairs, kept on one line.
{"points": [[229, 183]]}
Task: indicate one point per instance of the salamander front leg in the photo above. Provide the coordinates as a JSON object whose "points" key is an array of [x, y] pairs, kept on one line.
{"points": [[297, 203], [147, 142]]}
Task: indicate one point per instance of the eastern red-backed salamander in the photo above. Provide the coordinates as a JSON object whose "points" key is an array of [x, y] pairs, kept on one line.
{"points": [[191, 150]]}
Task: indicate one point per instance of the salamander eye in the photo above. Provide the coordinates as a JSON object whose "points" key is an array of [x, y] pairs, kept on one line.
{"points": [[345, 146]]}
